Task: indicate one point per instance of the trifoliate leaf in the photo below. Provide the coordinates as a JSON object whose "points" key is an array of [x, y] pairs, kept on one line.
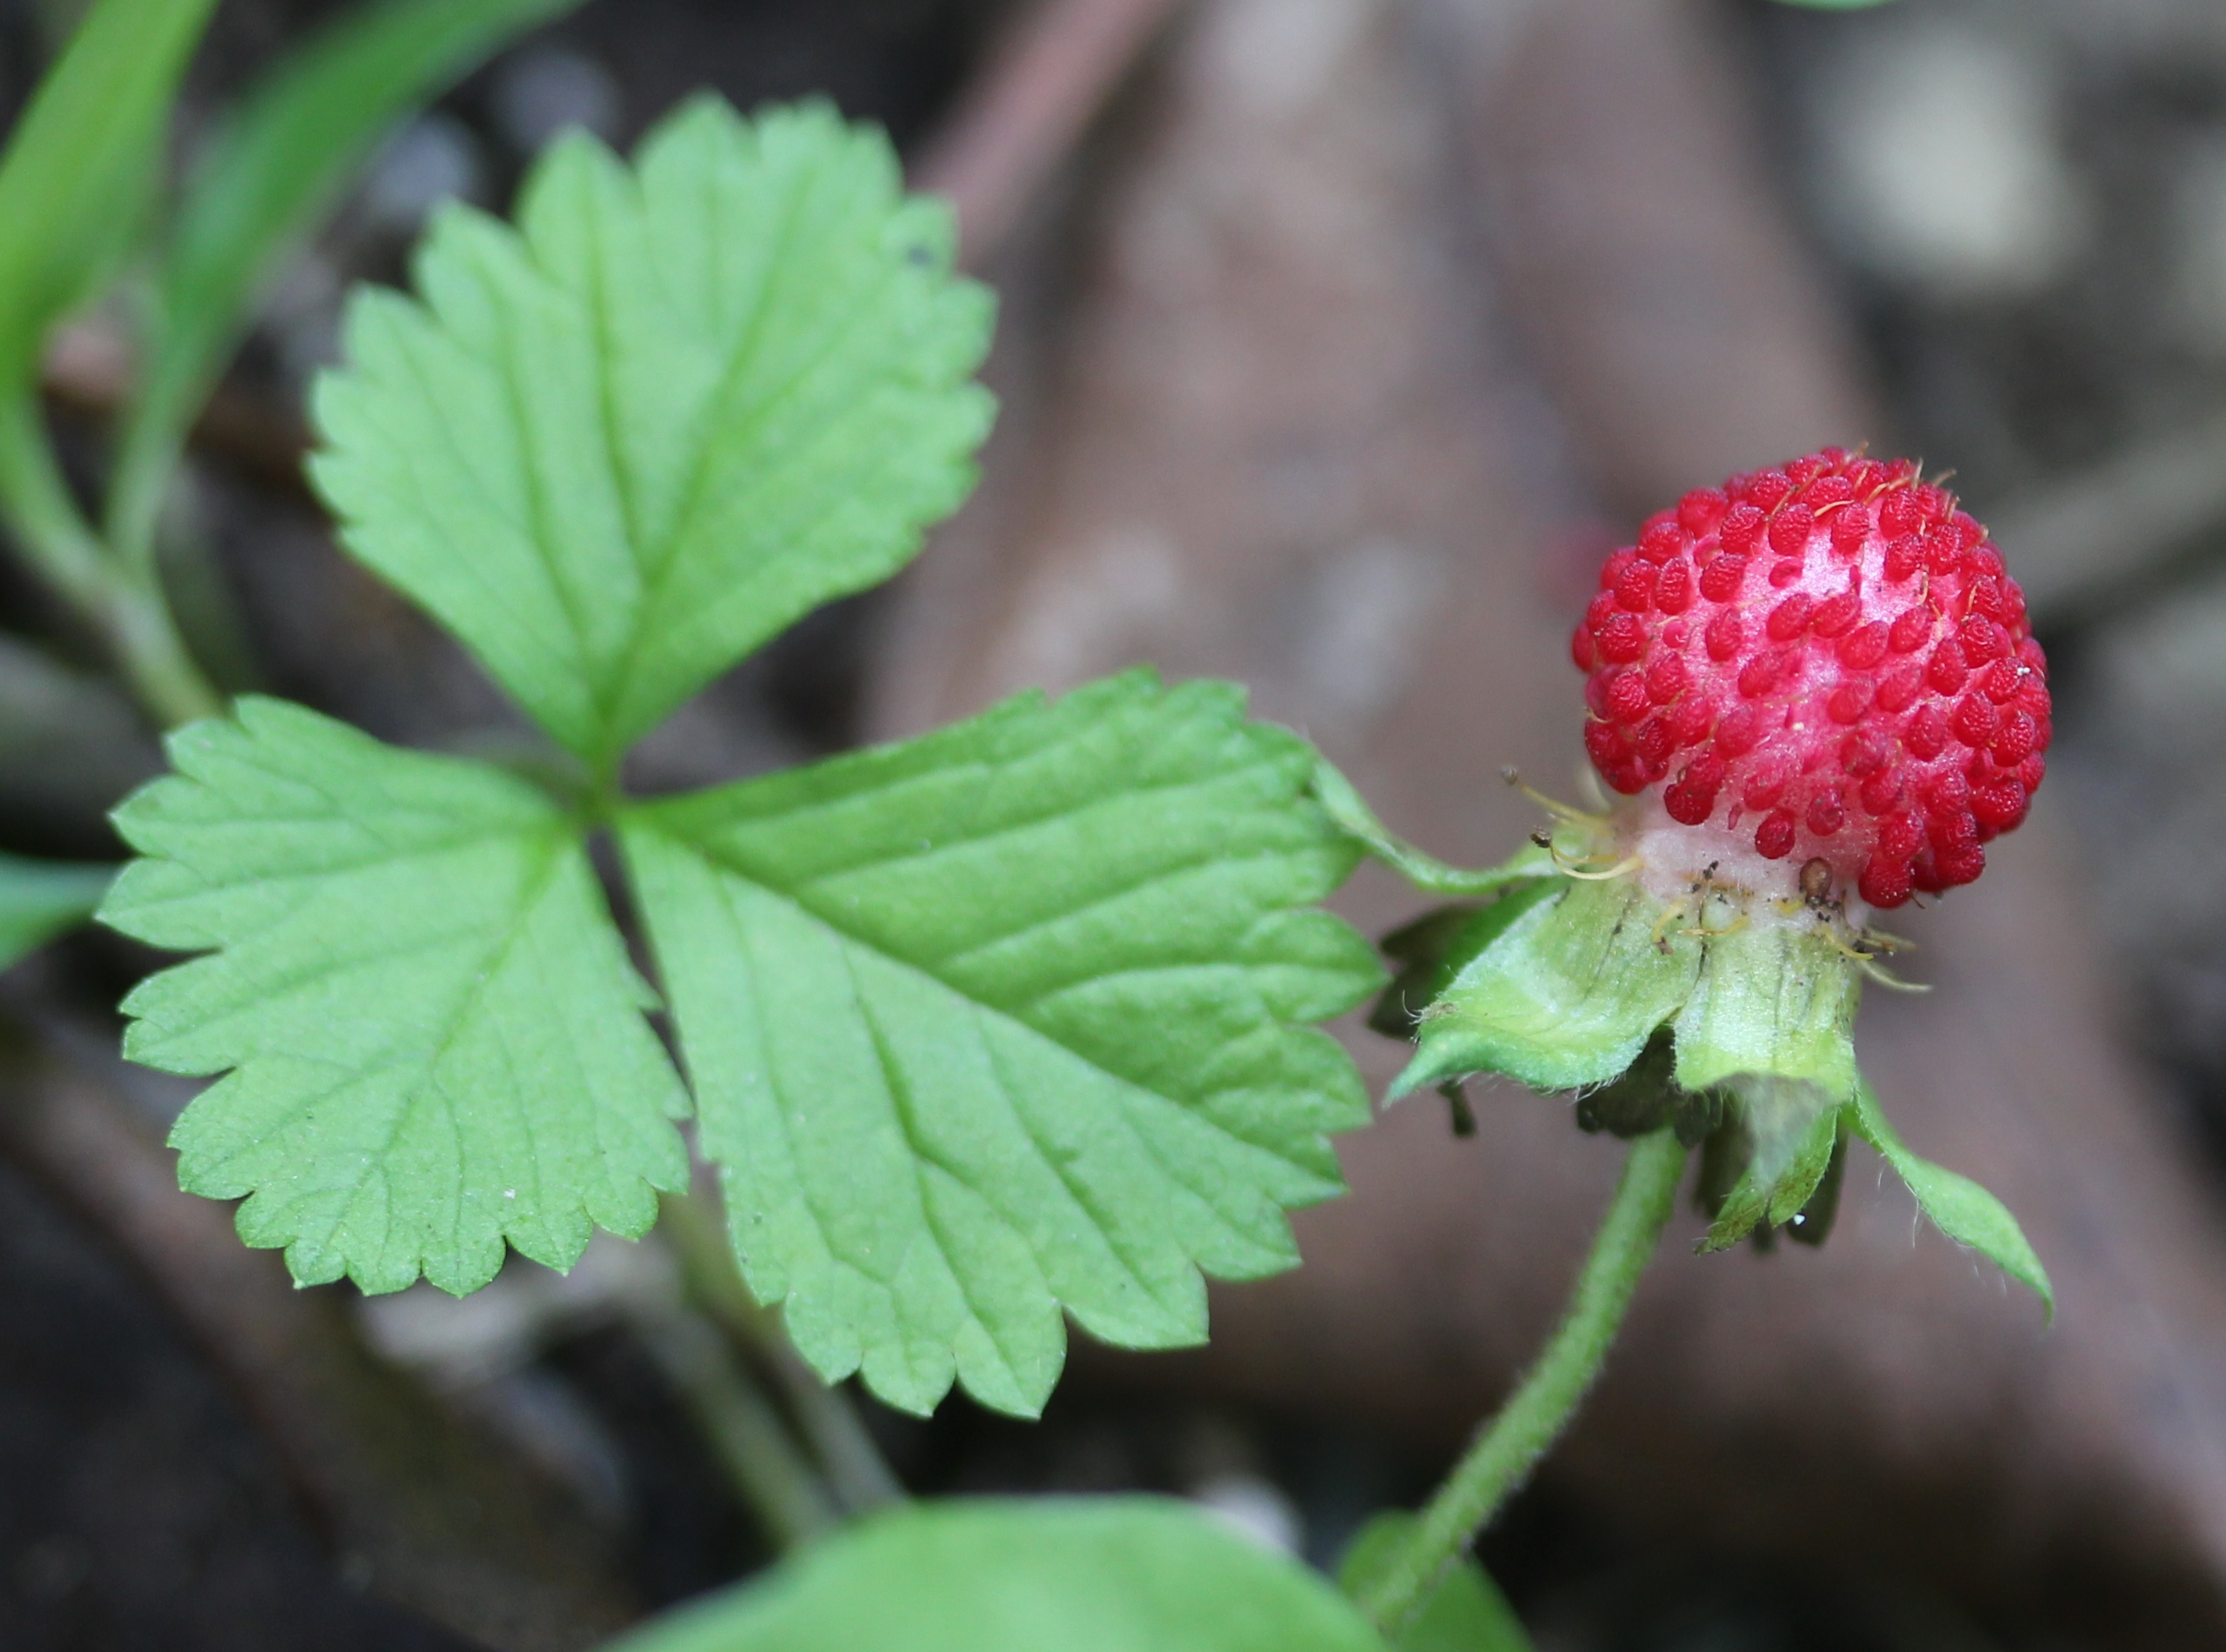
{"points": [[435, 1041], [678, 407], [1004, 1019], [1096, 1575], [40, 899], [1465, 1612], [1958, 1205]]}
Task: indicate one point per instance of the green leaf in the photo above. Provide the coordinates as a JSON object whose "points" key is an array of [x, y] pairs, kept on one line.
{"points": [[1567, 997], [40, 899], [271, 171], [433, 1039], [1433, 950], [675, 410], [1344, 805], [1097, 1575], [1958, 1205], [1003, 1019], [80, 162], [1466, 1613]]}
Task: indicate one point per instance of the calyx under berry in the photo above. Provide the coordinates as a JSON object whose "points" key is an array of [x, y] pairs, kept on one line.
{"points": [[1816, 691]]}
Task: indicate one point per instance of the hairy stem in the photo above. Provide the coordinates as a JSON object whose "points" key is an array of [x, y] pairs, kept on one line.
{"points": [[1508, 1445]]}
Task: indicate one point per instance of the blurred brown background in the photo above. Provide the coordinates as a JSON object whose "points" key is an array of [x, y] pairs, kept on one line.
{"points": [[1341, 338]]}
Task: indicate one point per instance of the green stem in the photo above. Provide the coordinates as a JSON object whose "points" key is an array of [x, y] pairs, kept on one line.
{"points": [[860, 1476], [146, 456], [742, 1426], [123, 602], [162, 674], [46, 518], [1506, 1446]]}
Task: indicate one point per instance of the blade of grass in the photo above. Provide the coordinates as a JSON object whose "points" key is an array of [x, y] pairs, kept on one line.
{"points": [[274, 170], [80, 161]]}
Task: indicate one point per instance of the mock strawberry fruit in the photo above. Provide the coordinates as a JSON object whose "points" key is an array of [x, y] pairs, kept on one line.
{"points": [[1818, 690], [1826, 661]]}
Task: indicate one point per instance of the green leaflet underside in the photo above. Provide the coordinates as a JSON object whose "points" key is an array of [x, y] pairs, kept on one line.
{"points": [[681, 405], [1010, 1018], [434, 1041], [1038, 1574]]}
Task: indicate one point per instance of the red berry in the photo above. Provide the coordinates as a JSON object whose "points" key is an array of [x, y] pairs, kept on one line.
{"points": [[1877, 701]]}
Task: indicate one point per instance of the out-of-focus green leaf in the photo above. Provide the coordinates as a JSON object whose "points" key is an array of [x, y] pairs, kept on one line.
{"points": [[1049, 1575], [1467, 1614], [274, 169], [39, 899], [77, 168]]}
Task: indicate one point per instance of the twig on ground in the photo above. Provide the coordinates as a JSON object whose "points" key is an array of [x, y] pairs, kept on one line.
{"points": [[2119, 525], [1029, 106], [444, 1523]]}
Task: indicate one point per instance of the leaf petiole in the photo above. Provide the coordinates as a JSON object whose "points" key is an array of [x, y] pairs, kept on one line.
{"points": [[1548, 1395], [1343, 802]]}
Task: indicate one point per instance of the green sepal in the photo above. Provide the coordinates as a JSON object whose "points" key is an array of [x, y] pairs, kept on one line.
{"points": [[1772, 1019], [1812, 1223], [1957, 1206], [1765, 1198], [1566, 997], [1433, 950], [1465, 1612], [1646, 1098]]}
